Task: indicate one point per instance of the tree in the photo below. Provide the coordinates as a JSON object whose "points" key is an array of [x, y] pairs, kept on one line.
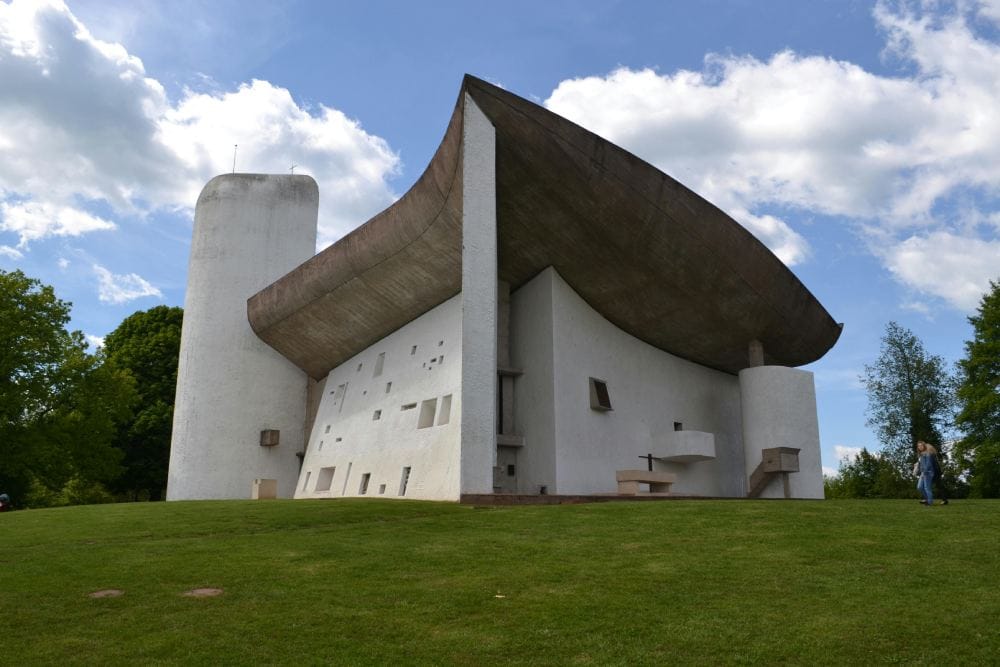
{"points": [[909, 396], [979, 397], [59, 405], [147, 345], [869, 476]]}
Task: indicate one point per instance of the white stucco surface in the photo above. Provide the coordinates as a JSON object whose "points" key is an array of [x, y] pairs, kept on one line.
{"points": [[560, 342], [479, 302], [366, 425], [249, 230], [779, 410]]}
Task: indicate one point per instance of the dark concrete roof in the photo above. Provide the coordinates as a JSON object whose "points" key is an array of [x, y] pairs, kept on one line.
{"points": [[647, 253]]}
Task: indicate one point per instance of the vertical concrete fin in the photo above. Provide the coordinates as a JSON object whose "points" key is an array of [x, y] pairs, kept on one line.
{"points": [[479, 301]]}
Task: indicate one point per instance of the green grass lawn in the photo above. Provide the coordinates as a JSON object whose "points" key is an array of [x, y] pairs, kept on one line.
{"points": [[389, 582]]}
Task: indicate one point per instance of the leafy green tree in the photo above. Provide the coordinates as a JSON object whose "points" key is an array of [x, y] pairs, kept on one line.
{"points": [[147, 345], [870, 476], [59, 405], [910, 396], [979, 397]]}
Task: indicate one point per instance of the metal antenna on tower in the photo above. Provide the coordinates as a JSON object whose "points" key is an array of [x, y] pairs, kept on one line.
{"points": [[234, 157], [292, 168]]}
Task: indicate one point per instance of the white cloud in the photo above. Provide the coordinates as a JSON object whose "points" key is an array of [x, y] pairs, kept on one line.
{"points": [[947, 265], [62, 263], [813, 134], [846, 454], [33, 220], [117, 288], [80, 121], [95, 342], [829, 472], [12, 253]]}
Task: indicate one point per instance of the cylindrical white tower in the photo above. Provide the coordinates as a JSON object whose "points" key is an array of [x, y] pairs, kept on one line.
{"points": [[779, 410], [249, 230]]}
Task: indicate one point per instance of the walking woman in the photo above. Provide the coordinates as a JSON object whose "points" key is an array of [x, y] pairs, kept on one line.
{"points": [[925, 465]]}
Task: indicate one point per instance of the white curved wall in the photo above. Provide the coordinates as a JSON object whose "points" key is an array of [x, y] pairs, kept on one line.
{"points": [[365, 425], [249, 230], [560, 342], [779, 410]]}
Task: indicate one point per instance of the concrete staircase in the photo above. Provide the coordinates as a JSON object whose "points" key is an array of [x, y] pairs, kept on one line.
{"points": [[774, 462]]}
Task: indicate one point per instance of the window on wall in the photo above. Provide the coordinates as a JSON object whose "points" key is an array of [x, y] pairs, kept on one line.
{"points": [[404, 480], [600, 399], [678, 426], [427, 410], [444, 414], [365, 478], [325, 478], [379, 363]]}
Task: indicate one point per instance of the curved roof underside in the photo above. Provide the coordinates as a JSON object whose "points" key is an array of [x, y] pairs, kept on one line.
{"points": [[650, 255]]}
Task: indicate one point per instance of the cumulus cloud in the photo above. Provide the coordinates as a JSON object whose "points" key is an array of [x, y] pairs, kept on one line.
{"points": [[846, 454], [12, 253], [81, 123], [95, 342], [116, 288], [817, 135], [37, 219]]}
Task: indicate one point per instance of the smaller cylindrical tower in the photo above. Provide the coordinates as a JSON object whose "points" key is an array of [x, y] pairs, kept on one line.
{"points": [[779, 410], [237, 397]]}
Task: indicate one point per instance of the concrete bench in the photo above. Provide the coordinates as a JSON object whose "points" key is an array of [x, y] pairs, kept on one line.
{"points": [[629, 481]]}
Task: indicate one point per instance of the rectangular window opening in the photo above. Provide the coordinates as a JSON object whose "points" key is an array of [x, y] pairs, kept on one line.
{"points": [[377, 415], [678, 426], [306, 483], [365, 478], [444, 414], [388, 387], [381, 489], [325, 478], [408, 406], [359, 366], [320, 445], [600, 399], [427, 409], [404, 480], [413, 350], [379, 363], [327, 429]]}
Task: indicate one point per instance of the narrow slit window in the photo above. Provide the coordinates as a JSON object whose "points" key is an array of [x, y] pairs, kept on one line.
{"points": [[404, 479], [413, 350], [444, 414], [365, 478], [306, 483], [379, 363], [388, 387], [600, 399], [408, 406]]}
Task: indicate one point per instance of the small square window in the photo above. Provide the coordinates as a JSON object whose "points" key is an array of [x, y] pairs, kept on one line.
{"points": [[678, 426], [600, 399], [413, 350], [511, 469], [377, 415]]}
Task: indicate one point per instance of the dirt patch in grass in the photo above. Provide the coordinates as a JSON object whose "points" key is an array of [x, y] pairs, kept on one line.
{"points": [[106, 593], [202, 592]]}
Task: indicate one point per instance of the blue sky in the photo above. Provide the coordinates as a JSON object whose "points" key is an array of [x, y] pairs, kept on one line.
{"points": [[859, 140]]}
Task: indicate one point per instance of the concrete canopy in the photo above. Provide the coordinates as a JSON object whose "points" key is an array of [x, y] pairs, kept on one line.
{"points": [[650, 255]]}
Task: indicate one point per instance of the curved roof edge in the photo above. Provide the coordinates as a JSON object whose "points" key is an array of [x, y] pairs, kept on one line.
{"points": [[650, 255]]}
